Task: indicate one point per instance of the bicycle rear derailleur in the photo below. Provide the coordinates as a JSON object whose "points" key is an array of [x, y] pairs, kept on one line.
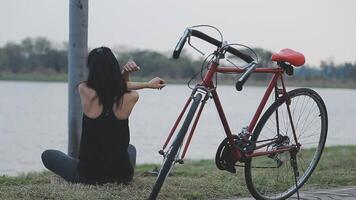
{"points": [[224, 159]]}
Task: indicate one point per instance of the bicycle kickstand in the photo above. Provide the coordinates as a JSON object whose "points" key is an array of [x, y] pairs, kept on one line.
{"points": [[293, 159]]}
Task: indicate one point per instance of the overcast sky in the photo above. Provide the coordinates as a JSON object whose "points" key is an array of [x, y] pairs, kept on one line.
{"points": [[321, 29]]}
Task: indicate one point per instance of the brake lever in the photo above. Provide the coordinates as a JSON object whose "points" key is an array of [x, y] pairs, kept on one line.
{"points": [[228, 60], [196, 49]]}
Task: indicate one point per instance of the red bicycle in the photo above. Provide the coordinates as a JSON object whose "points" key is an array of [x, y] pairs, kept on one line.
{"points": [[280, 150]]}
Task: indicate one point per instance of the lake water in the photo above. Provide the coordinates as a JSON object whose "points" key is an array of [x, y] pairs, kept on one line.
{"points": [[33, 118]]}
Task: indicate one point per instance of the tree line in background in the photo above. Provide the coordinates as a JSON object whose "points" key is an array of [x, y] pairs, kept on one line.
{"points": [[33, 54], [39, 55]]}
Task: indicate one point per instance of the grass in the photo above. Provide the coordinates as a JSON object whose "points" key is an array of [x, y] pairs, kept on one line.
{"points": [[193, 180]]}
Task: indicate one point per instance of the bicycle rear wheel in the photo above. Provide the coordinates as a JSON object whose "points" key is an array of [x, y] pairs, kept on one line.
{"points": [[173, 150], [272, 177]]}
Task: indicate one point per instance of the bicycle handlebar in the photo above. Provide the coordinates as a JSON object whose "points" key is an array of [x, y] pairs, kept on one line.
{"points": [[209, 39], [218, 43]]}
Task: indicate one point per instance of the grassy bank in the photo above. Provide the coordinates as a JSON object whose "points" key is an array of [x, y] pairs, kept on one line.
{"points": [[50, 77], [193, 180]]}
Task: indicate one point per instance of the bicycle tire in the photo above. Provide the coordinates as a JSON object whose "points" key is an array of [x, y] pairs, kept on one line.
{"points": [[173, 150], [257, 187]]}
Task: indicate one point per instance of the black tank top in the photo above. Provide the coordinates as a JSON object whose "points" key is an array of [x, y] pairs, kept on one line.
{"points": [[103, 155]]}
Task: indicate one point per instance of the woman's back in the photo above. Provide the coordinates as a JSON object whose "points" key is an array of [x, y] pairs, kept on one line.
{"points": [[103, 150], [105, 138]]}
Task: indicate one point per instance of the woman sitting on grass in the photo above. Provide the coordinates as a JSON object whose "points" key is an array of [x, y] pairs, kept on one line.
{"points": [[107, 98]]}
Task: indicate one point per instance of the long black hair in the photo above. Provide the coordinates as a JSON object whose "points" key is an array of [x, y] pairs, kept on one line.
{"points": [[105, 76]]}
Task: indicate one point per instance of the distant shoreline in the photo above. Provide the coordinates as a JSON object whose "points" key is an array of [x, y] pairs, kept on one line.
{"points": [[291, 82], [50, 77]]}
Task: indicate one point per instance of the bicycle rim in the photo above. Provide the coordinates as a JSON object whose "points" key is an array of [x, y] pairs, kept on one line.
{"points": [[264, 178]]}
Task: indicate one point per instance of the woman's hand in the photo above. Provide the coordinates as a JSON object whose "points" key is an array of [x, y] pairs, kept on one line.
{"points": [[157, 83], [130, 67]]}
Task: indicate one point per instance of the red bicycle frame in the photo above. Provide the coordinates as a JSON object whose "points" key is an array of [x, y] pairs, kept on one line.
{"points": [[208, 83]]}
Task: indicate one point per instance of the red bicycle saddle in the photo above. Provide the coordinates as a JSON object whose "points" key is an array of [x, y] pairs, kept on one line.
{"points": [[288, 55]]}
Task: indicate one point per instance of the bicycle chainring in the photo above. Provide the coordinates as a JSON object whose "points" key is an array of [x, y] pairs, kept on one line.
{"points": [[224, 158]]}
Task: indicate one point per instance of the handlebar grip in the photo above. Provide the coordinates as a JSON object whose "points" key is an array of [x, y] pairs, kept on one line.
{"points": [[180, 44], [217, 43], [245, 76], [176, 53], [240, 83]]}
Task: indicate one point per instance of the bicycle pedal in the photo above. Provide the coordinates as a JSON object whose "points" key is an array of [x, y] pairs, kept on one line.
{"points": [[161, 152], [154, 172], [231, 169], [180, 161], [279, 163]]}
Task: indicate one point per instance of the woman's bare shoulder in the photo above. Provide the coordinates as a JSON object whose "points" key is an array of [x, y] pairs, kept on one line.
{"points": [[85, 90], [126, 104]]}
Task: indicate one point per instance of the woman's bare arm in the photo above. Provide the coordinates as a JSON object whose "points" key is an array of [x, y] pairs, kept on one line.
{"points": [[155, 83], [136, 85], [128, 101]]}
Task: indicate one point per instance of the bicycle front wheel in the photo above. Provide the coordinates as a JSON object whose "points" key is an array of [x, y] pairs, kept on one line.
{"points": [[273, 177], [173, 150]]}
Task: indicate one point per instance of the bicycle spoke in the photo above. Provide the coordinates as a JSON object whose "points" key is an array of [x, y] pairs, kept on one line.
{"points": [[310, 125], [301, 161], [315, 132], [283, 119], [300, 113], [307, 117], [303, 128], [288, 122]]}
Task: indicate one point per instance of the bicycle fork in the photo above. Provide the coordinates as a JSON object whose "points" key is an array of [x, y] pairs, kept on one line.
{"points": [[170, 157], [198, 91]]}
